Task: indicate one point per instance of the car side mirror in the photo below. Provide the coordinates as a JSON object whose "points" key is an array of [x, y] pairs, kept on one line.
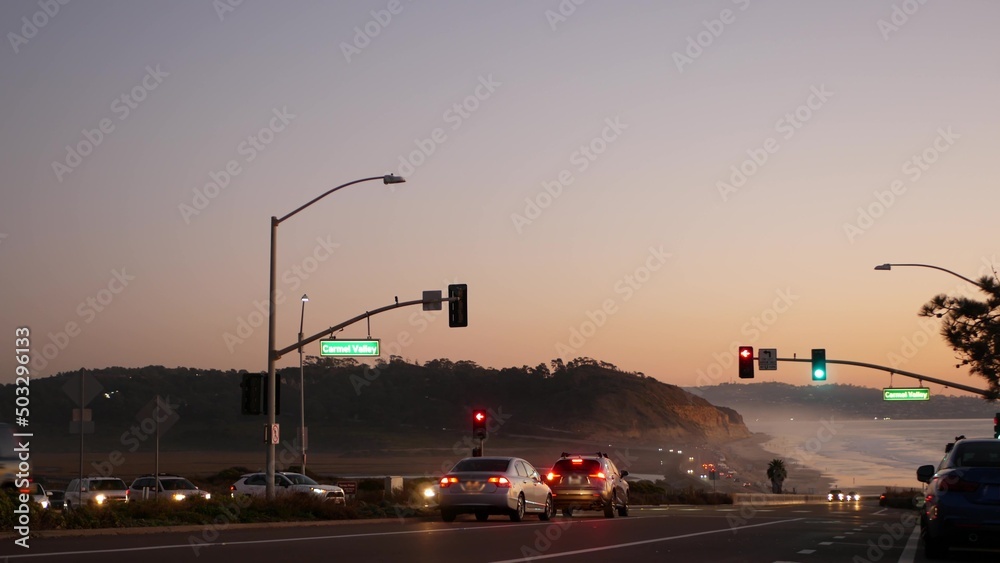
{"points": [[624, 474], [48, 493], [925, 473]]}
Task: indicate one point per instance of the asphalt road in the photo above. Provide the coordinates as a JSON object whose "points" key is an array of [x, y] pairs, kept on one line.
{"points": [[808, 533]]}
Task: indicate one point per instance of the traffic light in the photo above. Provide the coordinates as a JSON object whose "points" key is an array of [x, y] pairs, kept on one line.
{"points": [[252, 392], [479, 424], [458, 309], [819, 364], [746, 362], [996, 426]]}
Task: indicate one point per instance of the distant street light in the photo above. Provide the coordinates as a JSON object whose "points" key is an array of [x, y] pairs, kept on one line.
{"points": [[888, 266], [302, 387], [272, 355]]}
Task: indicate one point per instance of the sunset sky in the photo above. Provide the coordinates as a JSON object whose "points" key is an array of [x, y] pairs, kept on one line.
{"points": [[645, 183]]}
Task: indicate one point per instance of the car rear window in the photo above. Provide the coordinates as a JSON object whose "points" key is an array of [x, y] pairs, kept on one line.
{"points": [[978, 455], [481, 465], [108, 485], [588, 466]]}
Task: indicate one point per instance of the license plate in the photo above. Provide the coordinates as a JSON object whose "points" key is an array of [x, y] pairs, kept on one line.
{"points": [[473, 486]]}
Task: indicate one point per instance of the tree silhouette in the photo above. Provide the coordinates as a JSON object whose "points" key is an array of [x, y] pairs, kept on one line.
{"points": [[972, 328], [777, 473]]}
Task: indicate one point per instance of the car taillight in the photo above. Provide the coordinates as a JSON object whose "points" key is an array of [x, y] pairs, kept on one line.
{"points": [[447, 481], [232, 488], [499, 481], [599, 475], [551, 476], [957, 485], [576, 461]]}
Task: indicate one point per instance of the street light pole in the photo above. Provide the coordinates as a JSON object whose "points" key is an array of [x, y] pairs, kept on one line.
{"points": [[272, 356], [302, 387], [888, 266]]}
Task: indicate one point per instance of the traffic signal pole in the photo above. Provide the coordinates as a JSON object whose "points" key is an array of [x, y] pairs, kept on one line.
{"points": [[330, 331], [958, 386]]}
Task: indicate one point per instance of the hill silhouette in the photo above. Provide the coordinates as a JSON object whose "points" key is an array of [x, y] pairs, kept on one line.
{"points": [[355, 406]]}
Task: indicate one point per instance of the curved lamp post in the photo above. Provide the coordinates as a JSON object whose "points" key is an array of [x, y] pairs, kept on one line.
{"points": [[272, 356], [888, 266]]}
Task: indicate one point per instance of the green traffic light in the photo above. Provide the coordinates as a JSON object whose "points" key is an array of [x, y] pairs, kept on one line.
{"points": [[819, 374], [819, 364]]}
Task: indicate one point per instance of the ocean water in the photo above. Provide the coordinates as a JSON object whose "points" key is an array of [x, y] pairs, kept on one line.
{"points": [[866, 454]]}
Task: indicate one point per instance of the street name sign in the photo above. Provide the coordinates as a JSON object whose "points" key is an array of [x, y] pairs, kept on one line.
{"points": [[906, 394], [349, 348]]}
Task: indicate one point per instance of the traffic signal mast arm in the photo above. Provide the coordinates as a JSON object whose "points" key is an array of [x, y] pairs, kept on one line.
{"points": [[958, 386], [295, 347]]}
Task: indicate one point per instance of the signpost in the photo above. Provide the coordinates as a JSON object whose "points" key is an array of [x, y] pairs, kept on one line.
{"points": [[349, 348], [906, 394]]}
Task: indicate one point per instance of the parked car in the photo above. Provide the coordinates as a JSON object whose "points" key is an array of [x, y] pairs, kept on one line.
{"points": [[37, 494], [255, 484], [962, 505], [57, 499], [170, 487], [588, 482], [98, 491], [494, 485]]}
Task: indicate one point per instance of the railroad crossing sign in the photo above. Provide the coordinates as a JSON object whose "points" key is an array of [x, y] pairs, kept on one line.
{"points": [[767, 359]]}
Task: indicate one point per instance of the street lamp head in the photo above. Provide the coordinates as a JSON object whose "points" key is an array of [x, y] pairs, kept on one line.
{"points": [[392, 179], [305, 298], [884, 267]]}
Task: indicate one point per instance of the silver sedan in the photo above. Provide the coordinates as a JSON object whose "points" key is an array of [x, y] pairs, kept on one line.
{"points": [[494, 485]]}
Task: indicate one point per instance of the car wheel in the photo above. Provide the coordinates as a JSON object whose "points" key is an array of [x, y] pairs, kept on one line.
{"points": [[518, 513], [482, 516], [609, 507], [447, 515], [567, 512], [623, 509], [550, 510]]}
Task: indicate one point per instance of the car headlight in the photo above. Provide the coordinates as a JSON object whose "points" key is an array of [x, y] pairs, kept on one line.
{"points": [[429, 492], [318, 491], [99, 499], [829, 497], [208, 496], [179, 496], [44, 503]]}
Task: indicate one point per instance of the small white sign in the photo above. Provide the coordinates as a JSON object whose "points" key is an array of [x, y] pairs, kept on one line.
{"points": [[275, 434], [767, 359]]}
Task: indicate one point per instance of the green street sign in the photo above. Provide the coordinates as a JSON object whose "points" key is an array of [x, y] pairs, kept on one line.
{"points": [[906, 394], [349, 348]]}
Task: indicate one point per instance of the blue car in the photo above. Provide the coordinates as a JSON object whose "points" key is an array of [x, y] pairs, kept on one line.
{"points": [[962, 508]]}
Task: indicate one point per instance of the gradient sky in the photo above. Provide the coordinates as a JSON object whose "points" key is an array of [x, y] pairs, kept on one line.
{"points": [[559, 163]]}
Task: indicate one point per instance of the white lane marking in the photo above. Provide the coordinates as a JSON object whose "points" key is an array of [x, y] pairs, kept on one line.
{"points": [[5, 558], [883, 511], [642, 542], [910, 549], [839, 537], [807, 552]]}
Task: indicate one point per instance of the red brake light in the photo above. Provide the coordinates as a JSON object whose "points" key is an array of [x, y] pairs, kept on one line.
{"points": [[551, 476], [599, 475], [446, 481], [499, 481], [957, 485], [576, 461]]}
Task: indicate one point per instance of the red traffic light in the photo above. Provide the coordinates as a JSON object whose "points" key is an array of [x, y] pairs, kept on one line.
{"points": [[745, 361], [479, 416], [479, 424]]}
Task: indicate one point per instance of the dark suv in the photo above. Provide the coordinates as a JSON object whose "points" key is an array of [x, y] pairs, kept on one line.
{"points": [[588, 482]]}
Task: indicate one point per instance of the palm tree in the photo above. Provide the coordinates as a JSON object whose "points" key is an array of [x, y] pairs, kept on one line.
{"points": [[777, 473]]}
